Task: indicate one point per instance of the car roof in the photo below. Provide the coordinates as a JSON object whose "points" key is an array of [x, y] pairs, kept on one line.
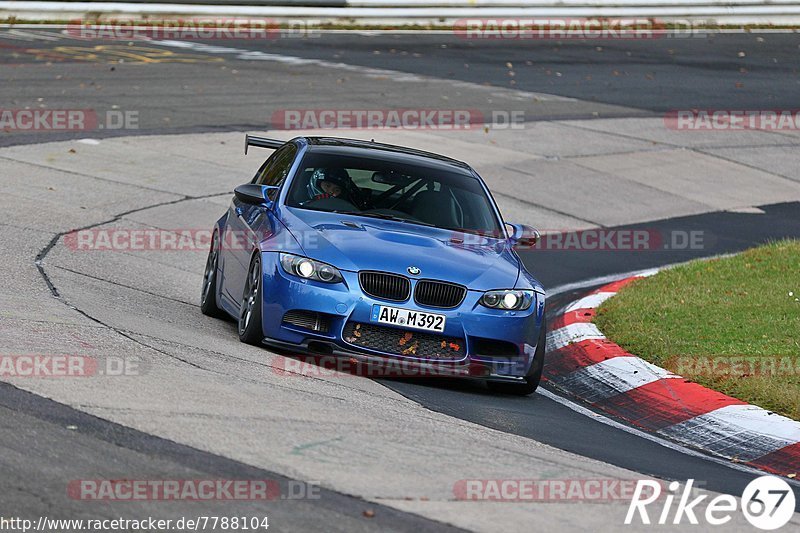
{"points": [[356, 147]]}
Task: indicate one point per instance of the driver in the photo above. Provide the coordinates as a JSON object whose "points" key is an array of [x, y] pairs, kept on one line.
{"points": [[329, 183]]}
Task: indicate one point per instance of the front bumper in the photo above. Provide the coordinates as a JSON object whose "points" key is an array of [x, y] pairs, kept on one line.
{"points": [[470, 327]]}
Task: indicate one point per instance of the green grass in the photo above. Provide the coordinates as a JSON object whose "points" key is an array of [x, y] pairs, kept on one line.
{"points": [[731, 324]]}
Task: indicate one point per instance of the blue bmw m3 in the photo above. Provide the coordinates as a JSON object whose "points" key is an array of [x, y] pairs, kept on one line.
{"points": [[378, 253]]}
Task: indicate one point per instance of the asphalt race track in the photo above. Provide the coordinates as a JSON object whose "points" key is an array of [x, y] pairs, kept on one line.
{"points": [[609, 78], [388, 452]]}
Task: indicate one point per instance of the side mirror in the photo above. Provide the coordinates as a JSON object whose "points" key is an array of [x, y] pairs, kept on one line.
{"points": [[521, 235], [253, 194]]}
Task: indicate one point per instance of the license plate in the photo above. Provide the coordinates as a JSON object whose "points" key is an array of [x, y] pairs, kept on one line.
{"points": [[408, 318]]}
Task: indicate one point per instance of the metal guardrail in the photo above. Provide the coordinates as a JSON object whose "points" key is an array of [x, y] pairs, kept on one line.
{"points": [[556, 3], [223, 3], [454, 4], [430, 11]]}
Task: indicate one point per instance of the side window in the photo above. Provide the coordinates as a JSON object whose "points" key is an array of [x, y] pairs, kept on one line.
{"points": [[262, 172], [275, 170]]}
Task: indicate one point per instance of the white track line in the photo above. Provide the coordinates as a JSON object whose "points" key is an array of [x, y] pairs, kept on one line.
{"points": [[650, 437], [394, 75], [602, 280]]}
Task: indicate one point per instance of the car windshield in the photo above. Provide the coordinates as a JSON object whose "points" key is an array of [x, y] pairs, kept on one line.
{"points": [[373, 187]]}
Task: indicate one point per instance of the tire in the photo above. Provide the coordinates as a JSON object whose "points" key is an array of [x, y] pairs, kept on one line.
{"points": [[534, 376], [250, 327], [208, 294]]}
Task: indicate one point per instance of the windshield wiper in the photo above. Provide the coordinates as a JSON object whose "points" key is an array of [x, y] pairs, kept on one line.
{"points": [[384, 216]]}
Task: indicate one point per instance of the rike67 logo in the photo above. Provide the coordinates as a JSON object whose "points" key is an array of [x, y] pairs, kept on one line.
{"points": [[767, 503]]}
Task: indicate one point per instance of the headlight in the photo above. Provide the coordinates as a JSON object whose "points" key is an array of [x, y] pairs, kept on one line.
{"points": [[509, 300], [309, 269]]}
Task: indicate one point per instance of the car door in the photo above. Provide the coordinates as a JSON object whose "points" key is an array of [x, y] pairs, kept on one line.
{"points": [[249, 224]]}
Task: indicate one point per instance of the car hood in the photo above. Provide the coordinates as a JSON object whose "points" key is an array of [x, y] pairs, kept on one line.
{"points": [[358, 243]]}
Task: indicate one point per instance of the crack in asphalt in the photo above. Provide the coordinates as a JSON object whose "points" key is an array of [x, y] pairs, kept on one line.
{"points": [[88, 176], [703, 150], [117, 284], [40, 257], [49, 322], [403, 400], [236, 376], [748, 165], [39, 262], [130, 335]]}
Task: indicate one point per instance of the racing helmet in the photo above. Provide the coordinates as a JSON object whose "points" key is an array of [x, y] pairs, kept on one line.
{"points": [[339, 176]]}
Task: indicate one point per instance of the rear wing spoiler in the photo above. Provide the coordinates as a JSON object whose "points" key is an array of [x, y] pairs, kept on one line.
{"points": [[261, 142]]}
